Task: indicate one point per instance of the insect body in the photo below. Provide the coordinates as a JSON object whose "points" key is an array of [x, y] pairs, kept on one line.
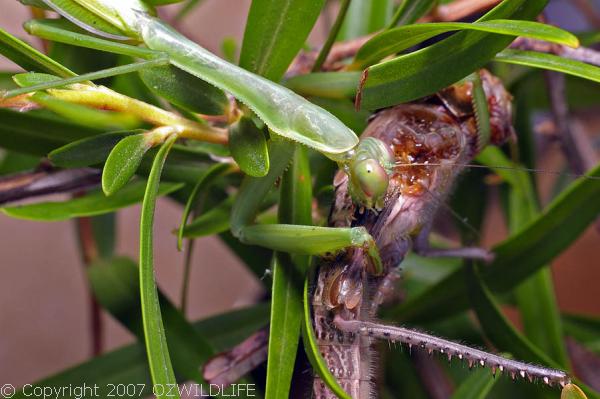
{"points": [[286, 113], [389, 186], [438, 134]]}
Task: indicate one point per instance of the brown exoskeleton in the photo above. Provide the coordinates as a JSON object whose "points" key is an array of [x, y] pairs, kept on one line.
{"points": [[431, 141], [440, 131]]}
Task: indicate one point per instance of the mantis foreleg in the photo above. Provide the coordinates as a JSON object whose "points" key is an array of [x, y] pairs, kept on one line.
{"points": [[307, 240]]}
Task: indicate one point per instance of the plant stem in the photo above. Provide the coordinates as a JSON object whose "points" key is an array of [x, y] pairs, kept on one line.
{"points": [[187, 268], [89, 254], [104, 98], [332, 36]]}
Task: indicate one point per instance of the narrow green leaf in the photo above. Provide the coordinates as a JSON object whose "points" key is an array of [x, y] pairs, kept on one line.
{"points": [[29, 58], [127, 365], [364, 17], [550, 62], [521, 254], [535, 296], [284, 330], [185, 90], [344, 111], [94, 203], [6, 81], [63, 31], [103, 73], [33, 78], [214, 221], [94, 150], [105, 234], [426, 71], [123, 161], [481, 110], [275, 31], [154, 332], [89, 151], [13, 162], [331, 36], [585, 329], [87, 19], [477, 386], [248, 147], [21, 132], [201, 187], [497, 328], [336, 85], [35, 3], [286, 302], [410, 10], [252, 256], [229, 49], [312, 349], [563, 220], [395, 40], [116, 286], [254, 189]]}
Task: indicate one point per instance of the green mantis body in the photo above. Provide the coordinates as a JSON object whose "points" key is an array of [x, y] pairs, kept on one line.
{"points": [[287, 114]]}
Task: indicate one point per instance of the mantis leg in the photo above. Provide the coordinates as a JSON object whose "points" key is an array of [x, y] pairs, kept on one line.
{"points": [[104, 73], [451, 349], [311, 240], [49, 30], [296, 239], [229, 366], [385, 290]]}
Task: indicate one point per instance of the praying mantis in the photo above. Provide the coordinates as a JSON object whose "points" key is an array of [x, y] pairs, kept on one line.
{"points": [[438, 135], [368, 165]]}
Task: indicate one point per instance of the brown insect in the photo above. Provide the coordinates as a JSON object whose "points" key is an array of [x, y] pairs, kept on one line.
{"points": [[431, 140]]}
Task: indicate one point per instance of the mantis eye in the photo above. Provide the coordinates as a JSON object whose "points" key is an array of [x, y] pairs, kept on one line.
{"points": [[372, 179]]}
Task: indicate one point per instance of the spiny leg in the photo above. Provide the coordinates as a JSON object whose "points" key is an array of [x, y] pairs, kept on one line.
{"points": [[473, 356]]}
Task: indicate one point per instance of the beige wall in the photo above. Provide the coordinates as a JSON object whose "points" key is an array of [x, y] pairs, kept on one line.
{"points": [[43, 294]]}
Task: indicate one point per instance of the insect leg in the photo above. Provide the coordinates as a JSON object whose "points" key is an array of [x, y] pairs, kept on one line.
{"points": [[421, 247], [473, 356], [311, 240], [385, 290]]}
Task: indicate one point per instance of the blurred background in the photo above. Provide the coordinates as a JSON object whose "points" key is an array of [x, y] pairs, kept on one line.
{"points": [[44, 311]]}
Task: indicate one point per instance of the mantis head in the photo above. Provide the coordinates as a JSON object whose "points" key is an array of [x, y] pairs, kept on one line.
{"points": [[369, 172]]}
